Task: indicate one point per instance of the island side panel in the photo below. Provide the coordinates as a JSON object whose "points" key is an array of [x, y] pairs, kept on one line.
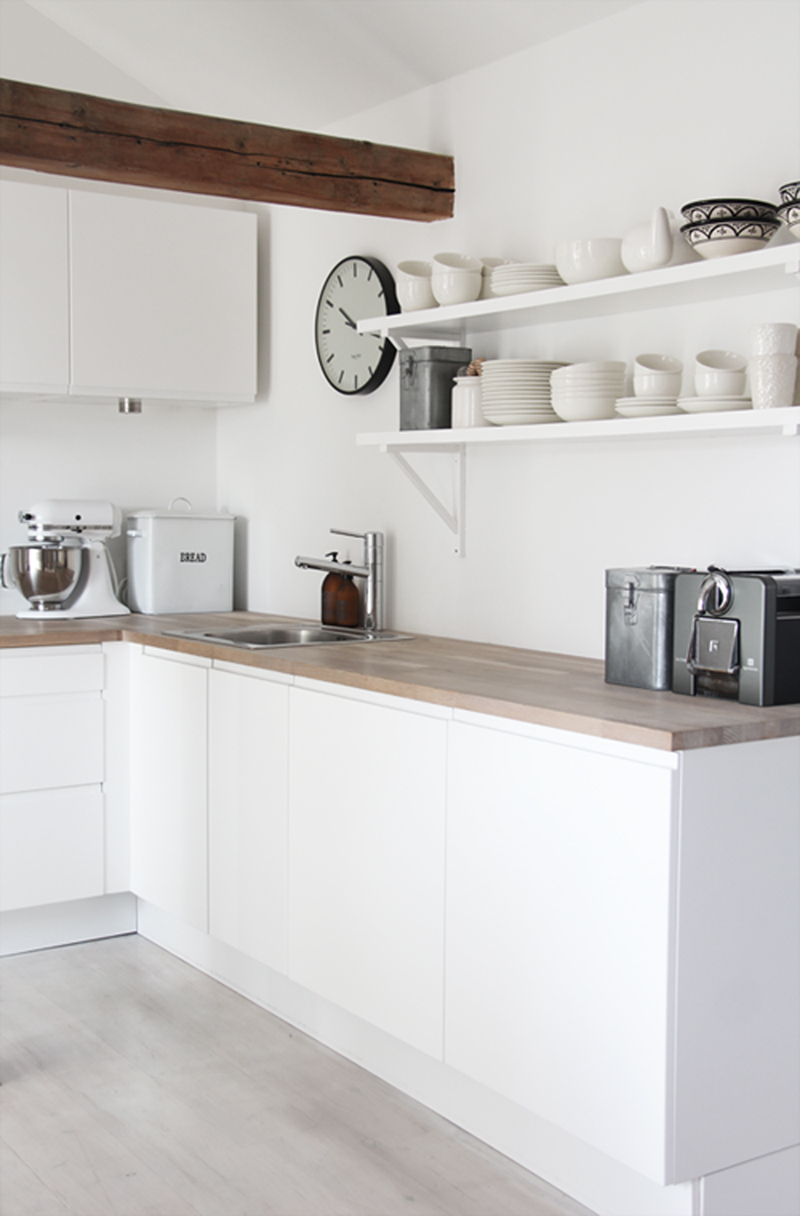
{"points": [[737, 1015]]}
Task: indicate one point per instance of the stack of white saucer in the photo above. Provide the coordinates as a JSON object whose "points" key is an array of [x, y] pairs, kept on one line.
{"points": [[583, 392], [719, 382], [517, 391], [524, 276]]}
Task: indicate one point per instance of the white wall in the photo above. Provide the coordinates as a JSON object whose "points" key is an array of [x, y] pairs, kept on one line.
{"points": [[668, 101]]}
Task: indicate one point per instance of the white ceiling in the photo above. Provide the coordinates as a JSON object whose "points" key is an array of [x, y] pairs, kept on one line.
{"points": [[308, 63]]}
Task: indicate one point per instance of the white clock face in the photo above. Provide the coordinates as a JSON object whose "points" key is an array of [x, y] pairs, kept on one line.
{"points": [[356, 288]]}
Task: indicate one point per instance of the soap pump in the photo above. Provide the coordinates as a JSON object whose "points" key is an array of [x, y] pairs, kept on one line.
{"points": [[330, 586]]}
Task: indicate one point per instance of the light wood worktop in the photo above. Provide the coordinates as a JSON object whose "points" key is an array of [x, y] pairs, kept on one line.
{"points": [[556, 690]]}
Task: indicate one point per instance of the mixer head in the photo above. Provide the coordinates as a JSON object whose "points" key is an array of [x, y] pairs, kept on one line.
{"points": [[92, 519]]}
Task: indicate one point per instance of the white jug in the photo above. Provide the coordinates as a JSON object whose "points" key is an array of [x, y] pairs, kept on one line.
{"points": [[648, 246]]}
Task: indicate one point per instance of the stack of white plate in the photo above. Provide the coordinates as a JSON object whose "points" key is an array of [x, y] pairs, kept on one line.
{"points": [[646, 407], [583, 392], [706, 405], [517, 391], [524, 276]]}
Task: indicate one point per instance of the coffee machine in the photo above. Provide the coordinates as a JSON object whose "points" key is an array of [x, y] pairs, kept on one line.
{"points": [[737, 635], [64, 571]]}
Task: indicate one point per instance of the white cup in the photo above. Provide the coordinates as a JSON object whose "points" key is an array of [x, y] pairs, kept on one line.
{"points": [[414, 289], [772, 381], [773, 338], [456, 286]]}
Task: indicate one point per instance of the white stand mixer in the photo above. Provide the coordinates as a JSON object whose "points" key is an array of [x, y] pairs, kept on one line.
{"points": [[64, 570]]}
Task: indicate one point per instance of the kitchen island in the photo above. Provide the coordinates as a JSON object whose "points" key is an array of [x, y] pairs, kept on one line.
{"points": [[561, 913]]}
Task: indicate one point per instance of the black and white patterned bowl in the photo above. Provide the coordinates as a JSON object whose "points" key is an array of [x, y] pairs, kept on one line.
{"points": [[790, 193], [705, 210], [723, 237], [790, 215]]}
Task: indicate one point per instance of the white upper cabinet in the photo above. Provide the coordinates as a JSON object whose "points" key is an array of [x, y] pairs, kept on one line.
{"points": [[163, 299], [109, 295], [34, 289]]}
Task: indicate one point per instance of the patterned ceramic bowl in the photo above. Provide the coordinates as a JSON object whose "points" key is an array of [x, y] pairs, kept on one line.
{"points": [[790, 214], [790, 193], [723, 237], [706, 210]]}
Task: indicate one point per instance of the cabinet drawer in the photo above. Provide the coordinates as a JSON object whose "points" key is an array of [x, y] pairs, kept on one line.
{"points": [[46, 742], [51, 847], [33, 673]]}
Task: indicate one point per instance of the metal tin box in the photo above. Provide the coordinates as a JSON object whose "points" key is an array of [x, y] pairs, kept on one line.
{"points": [[639, 626], [180, 561], [426, 385]]}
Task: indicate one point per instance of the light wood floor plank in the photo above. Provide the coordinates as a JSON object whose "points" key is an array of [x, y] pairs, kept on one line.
{"points": [[133, 1085]]}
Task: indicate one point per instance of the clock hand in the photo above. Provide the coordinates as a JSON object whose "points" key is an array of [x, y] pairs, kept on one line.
{"points": [[349, 320]]}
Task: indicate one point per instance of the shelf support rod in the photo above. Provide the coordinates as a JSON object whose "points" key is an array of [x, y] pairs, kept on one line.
{"points": [[453, 519]]}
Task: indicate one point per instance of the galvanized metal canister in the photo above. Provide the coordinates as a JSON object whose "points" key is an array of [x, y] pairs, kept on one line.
{"points": [[426, 385], [639, 626]]}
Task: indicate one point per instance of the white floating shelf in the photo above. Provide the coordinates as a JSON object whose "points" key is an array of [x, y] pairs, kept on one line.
{"points": [[692, 283], [752, 422]]}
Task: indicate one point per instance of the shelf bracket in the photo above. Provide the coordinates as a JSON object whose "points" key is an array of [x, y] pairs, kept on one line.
{"points": [[453, 518]]}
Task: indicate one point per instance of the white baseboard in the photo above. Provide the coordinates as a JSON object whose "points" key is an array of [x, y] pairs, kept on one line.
{"points": [[80, 920], [594, 1179]]}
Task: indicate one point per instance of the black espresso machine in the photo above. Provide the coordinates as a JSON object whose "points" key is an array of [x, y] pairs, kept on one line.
{"points": [[737, 635]]}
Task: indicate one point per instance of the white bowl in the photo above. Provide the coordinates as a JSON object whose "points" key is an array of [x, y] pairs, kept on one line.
{"points": [[456, 286], [582, 260], [414, 289], [456, 261], [656, 363], [599, 365], [657, 384], [722, 360], [588, 409], [718, 383]]}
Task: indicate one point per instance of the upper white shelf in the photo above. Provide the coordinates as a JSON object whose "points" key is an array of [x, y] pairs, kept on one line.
{"points": [[692, 283]]}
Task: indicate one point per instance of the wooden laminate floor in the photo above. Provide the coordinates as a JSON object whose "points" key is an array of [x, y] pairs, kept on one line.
{"points": [[134, 1085]]}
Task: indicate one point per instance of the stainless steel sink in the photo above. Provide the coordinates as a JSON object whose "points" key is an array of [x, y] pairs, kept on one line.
{"points": [[267, 637]]}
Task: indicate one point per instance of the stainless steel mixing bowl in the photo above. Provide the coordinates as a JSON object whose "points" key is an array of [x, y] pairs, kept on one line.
{"points": [[45, 574]]}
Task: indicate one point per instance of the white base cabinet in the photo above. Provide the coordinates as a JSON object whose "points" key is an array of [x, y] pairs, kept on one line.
{"points": [[248, 813], [366, 859], [52, 845], [169, 855]]}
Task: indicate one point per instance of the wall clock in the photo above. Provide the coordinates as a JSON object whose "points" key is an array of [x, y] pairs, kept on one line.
{"points": [[357, 287]]}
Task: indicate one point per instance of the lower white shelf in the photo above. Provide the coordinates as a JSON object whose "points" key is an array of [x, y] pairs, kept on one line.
{"points": [[764, 422], [453, 443]]}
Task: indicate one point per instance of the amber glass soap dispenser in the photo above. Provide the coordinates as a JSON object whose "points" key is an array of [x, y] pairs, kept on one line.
{"points": [[330, 586]]}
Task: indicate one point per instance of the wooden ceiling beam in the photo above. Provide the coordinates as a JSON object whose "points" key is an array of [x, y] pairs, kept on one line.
{"points": [[76, 135]]}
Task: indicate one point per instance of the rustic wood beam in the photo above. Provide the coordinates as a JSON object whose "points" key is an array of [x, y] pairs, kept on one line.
{"points": [[76, 135]]}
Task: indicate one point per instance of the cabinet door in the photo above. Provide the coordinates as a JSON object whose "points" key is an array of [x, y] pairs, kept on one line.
{"points": [[558, 929], [34, 294], [51, 846], [248, 742], [168, 785], [366, 861], [163, 299]]}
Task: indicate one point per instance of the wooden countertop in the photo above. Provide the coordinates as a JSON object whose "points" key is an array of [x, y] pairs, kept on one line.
{"points": [[560, 691]]}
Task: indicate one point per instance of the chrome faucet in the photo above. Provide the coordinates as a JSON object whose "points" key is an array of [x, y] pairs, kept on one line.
{"points": [[371, 570]]}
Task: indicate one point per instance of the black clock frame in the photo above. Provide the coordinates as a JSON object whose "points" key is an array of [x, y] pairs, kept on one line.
{"points": [[386, 360]]}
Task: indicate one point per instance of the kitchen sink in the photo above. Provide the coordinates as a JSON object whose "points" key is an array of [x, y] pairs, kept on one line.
{"points": [[267, 637]]}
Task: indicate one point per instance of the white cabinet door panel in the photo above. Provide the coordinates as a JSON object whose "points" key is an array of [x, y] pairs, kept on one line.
{"points": [[34, 291], [366, 858], [168, 786], [248, 743], [51, 847], [51, 741], [163, 298], [558, 931], [39, 671]]}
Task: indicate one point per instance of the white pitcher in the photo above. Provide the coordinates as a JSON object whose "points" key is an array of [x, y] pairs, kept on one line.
{"points": [[648, 246]]}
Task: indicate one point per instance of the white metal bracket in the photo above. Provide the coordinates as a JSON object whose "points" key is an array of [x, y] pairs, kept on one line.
{"points": [[452, 516]]}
